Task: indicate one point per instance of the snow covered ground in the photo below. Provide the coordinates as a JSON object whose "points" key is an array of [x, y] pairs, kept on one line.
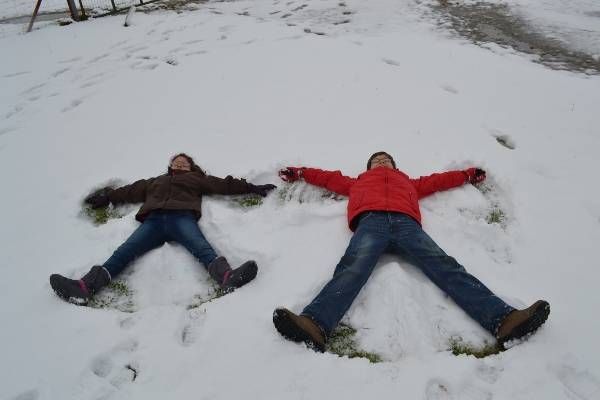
{"points": [[246, 90]]}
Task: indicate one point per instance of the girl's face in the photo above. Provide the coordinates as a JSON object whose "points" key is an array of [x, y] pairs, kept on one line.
{"points": [[181, 163]]}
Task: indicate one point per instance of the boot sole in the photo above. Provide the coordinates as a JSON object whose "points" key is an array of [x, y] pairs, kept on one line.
{"points": [[530, 325], [286, 326], [55, 284]]}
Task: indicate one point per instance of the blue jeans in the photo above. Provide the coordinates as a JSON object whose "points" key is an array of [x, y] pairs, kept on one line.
{"points": [[159, 227], [379, 232]]}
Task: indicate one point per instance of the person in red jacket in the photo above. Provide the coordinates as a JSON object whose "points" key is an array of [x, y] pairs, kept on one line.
{"points": [[383, 213]]}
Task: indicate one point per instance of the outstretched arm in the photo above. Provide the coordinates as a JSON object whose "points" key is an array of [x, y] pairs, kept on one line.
{"points": [[330, 180], [134, 193], [430, 184], [231, 185]]}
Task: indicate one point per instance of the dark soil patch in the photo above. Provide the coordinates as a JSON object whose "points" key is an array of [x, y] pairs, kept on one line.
{"points": [[495, 23]]}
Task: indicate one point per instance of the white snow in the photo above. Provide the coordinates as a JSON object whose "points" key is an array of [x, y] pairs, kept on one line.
{"points": [[246, 95]]}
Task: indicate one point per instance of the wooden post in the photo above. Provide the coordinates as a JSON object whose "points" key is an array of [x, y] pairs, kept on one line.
{"points": [[113, 5], [73, 10], [83, 16], [34, 15]]}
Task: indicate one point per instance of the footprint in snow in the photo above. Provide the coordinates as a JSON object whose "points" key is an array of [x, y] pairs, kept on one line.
{"points": [[16, 109], [503, 139], [102, 366], [118, 44], [12, 75], [437, 390], [142, 65], [4, 131], [98, 58], [89, 84], [580, 383], [73, 104], [190, 330], [116, 366], [177, 49], [197, 52], [449, 89], [32, 394], [70, 60], [171, 61], [471, 392], [58, 73], [390, 61], [33, 88], [488, 372], [299, 7], [134, 49], [344, 21], [127, 323]]}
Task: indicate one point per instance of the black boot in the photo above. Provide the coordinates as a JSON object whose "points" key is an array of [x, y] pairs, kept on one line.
{"points": [[80, 291], [299, 328], [519, 323], [230, 279]]}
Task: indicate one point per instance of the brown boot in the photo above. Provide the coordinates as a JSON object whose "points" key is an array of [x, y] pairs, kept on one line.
{"points": [[299, 328], [519, 323]]}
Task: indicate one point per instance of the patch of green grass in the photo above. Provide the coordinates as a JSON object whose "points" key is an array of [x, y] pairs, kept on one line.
{"points": [[249, 201], [496, 216], [483, 187], [460, 348], [302, 193], [120, 288], [116, 295], [342, 343], [100, 216], [199, 300]]}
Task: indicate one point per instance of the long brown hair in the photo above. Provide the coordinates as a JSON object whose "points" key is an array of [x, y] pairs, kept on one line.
{"points": [[193, 165]]}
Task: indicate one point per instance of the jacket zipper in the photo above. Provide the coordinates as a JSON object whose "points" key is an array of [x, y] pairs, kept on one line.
{"points": [[170, 190], [387, 199]]}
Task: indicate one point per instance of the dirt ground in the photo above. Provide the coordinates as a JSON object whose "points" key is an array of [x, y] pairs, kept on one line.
{"points": [[491, 23]]}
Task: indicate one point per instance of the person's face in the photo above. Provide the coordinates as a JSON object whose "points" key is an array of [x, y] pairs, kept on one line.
{"points": [[181, 163], [382, 161]]}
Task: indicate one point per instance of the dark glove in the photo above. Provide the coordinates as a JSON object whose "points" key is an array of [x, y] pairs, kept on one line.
{"points": [[291, 174], [474, 175], [99, 198], [262, 190]]}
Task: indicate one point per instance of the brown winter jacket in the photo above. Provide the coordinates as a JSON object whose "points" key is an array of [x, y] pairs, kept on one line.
{"points": [[176, 192]]}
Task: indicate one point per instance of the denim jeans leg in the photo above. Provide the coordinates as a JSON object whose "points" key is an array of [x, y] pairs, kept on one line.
{"points": [[183, 228], [351, 274], [146, 237], [467, 291]]}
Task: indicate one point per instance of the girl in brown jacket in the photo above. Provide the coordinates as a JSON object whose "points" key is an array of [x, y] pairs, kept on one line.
{"points": [[170, 212]]}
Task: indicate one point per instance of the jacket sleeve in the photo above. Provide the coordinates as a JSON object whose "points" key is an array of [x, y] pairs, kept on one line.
{"points": [[133, 193], [330, 180], [427, 185], [227, 185]]}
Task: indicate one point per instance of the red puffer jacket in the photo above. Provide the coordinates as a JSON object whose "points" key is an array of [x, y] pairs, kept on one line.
{"points": [[383, 189]]}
